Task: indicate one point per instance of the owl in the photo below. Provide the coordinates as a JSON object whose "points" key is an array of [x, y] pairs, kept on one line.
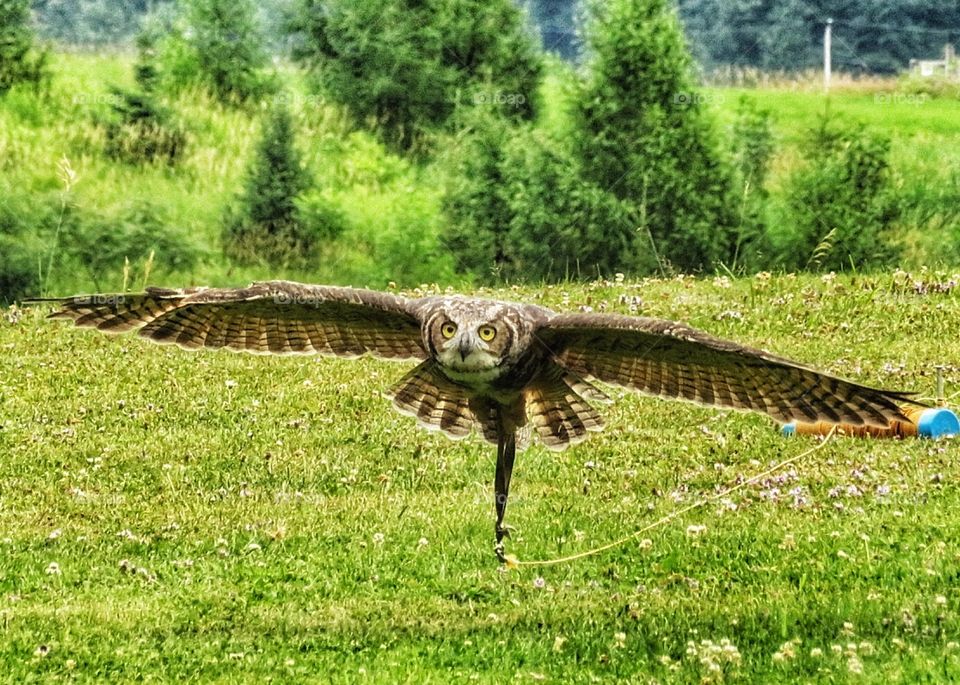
{"points": [[502, 369]]}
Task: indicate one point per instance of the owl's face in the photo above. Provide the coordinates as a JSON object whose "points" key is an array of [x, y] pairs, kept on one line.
{"points": [[471, 336]]}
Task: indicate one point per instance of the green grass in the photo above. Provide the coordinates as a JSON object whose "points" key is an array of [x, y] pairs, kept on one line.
{"points": [[228, 517]]}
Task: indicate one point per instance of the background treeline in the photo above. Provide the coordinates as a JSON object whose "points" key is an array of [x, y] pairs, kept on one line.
{"points": [[412, 143], [873, 36]]}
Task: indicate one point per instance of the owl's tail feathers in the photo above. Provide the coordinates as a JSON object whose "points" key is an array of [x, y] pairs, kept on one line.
{"points": [[435, 402], [559, 413], [117, 313]]}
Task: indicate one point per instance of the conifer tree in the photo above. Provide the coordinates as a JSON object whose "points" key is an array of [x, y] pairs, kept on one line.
{"points": [[19, 59], [266, 226], [643, 134]]}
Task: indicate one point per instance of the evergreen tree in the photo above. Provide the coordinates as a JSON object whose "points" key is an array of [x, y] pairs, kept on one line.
{"points": [[212, 44], [267, 226], [514, 191], [643, 135], [19, 60], [403, 65], [142, 130], [228, 47]]}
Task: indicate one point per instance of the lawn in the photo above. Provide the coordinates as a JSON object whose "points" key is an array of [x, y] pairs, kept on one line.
{"points": [[172, 516]]}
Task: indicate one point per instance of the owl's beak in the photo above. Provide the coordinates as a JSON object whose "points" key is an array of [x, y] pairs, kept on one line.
{"points": [[466, 347]]}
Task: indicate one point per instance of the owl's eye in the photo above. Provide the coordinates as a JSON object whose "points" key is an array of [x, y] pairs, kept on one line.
{"points": [[448, 330], [487, 333]]}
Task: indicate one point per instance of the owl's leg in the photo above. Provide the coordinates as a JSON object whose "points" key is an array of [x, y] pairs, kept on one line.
{"points": [[506, 452]]}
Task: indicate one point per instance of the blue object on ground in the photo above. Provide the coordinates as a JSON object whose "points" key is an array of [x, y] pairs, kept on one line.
{"points": [[938, 423]]}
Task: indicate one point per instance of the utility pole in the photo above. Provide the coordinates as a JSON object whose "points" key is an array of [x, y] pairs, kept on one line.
{"points": [[827, 36]]}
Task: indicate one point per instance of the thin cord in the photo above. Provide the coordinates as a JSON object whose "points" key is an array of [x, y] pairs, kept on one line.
{"points": [[513, 562]]}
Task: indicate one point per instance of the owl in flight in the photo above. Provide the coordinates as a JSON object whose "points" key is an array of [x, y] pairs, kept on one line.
{"points": [[496, 367]]}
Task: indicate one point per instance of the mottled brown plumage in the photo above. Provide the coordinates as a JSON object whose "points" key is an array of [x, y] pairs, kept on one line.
{"points": [[490, 366]]}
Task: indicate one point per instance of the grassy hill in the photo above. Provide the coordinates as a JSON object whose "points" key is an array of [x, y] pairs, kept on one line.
{"points": [[211, 516], [391, 205]]}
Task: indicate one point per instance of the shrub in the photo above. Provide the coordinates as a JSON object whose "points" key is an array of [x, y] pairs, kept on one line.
{"points": [[402, 66], [842, 201], [267, 226], [519, 209], [19, 275], [321, 217], [752, 148], [138, 238], [25, 222], [642, 133], [20, 62]]}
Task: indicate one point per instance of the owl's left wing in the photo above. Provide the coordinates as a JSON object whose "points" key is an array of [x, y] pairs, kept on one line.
{"points": [[672, 359], [273, 317]]}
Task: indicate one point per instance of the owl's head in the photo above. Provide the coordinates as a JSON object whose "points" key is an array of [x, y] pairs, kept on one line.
{"points": [[469, 335]]}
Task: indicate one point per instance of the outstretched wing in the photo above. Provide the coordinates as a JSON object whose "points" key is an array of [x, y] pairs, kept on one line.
{"points": [[273, 317], [671, 359]]}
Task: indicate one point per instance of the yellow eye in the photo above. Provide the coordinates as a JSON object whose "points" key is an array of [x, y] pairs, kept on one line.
{"points": [[487, 333], [448, 330]]}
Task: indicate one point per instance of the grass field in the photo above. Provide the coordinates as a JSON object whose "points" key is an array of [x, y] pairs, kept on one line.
{"points": [[172, 516]]}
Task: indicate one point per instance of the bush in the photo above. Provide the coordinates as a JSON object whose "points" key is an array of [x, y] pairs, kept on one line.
{"points": [[752, 149], [519, 209], [20, 62], [642, 134], [19, 275], [320, 216], [842, 201], [26, 221], [138, 238], [267, 226], [403, 66]]}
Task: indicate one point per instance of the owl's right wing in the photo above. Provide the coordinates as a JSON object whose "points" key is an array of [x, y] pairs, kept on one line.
{"points": [[672, 359], [273, 317]]}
